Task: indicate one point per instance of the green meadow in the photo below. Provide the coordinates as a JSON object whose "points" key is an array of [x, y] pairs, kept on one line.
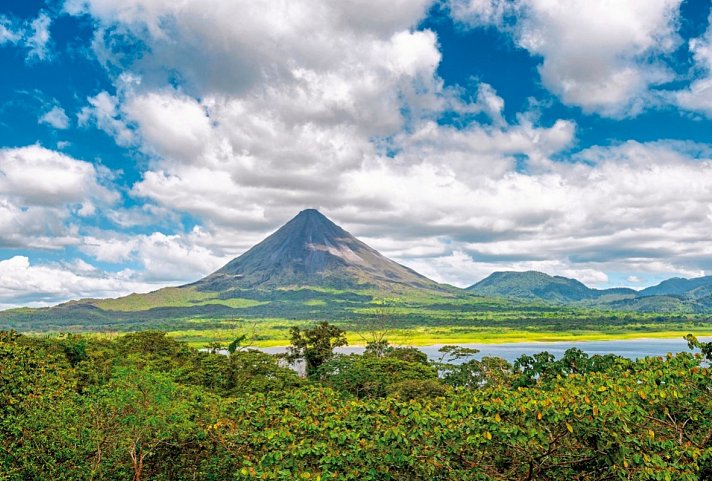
{"points": [[266, 317]]}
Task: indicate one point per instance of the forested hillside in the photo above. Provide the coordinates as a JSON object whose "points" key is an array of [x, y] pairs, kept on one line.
{"points": [[145, 407]]}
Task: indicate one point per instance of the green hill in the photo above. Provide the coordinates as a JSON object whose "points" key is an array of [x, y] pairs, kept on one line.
{"points": [[677, 286], [533, 285]]}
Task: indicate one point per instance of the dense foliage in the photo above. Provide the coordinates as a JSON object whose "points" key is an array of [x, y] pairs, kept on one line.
{"points": [[145, 407]]}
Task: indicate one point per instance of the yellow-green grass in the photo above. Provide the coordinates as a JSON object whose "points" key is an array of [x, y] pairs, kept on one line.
{"points": [[271, 333], [315, 302], [170, 297], [424, 337], [275, 333]]}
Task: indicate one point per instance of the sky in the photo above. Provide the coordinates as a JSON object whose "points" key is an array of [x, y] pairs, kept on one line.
{"points": [[145, 143]]}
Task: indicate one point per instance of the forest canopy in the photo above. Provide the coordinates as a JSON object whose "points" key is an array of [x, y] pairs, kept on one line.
{"points": [[145, 407]]}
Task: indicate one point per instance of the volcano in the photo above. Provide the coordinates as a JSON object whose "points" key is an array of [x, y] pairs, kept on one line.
{"points": [[310, 268], [310, 250]]}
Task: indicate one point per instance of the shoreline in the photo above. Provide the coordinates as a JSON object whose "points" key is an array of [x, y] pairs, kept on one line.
{"points": [[423, 338], [546, 339]]}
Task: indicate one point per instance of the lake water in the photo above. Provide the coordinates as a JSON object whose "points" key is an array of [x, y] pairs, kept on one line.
{"points": [[630, 348]]}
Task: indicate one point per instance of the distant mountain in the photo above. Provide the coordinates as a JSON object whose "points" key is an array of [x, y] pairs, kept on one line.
{"points": [[310, 250], [661, 304], [533, 285], [696, 288], [676, 295]]}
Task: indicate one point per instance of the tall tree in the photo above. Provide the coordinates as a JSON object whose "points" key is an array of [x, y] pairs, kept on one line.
{"points": [[314, 346]]}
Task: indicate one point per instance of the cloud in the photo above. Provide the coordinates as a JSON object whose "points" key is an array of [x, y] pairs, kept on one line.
{"points": [[56, 117], [298, 95], [103, 113], [166, 258], [174, 125], [43, 193], [38, 38], [211, 55], [605, 57], [38, 176], [9, 32], [221, 165], [33, 35], [482, 12], [698, 96], [633, 207], [22, 283]]}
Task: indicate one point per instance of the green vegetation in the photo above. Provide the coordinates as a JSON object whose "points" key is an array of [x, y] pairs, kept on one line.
{"points": [[417, 319], [676, 295], [315, 345], [145, 407], [169, 297], [540, 286]]}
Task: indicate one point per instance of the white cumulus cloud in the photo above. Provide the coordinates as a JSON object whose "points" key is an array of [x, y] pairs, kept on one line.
{"points": [[23, 283], [42, 192], [698, 96], [603, 56], [56, 117]]}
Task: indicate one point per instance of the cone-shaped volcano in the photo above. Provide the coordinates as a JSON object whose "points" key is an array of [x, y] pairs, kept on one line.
{"points": [[310, 250]]}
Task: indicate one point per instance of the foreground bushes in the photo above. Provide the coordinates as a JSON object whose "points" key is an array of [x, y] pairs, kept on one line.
{"points": [[160, 411]]}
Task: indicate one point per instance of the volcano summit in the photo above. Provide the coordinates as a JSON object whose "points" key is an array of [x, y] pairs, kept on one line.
{"points": [[310, 250]]}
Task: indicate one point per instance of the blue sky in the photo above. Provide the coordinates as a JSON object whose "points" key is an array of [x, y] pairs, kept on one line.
{"points": [[145, 143]]}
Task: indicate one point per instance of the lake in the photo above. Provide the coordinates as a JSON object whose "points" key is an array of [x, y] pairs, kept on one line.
{"points": [[630, 348]]}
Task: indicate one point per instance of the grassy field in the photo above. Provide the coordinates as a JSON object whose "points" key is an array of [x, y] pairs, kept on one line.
{"points": [[421, 319], [275, 332], [170, 297], [270, 333]]}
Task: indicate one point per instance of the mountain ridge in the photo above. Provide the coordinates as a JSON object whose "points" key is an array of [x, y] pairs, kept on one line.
{"points": [[537, 285], [680, 286], [671, 295]]}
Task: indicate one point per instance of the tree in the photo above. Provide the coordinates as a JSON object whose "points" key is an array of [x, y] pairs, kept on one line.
{"points": [[705, 347], [371, 376], [138, 419], [410, 354], [378, 324], [236, 344], [315, 345], [255, 371], [417, 389], [458, 367], [75, 348], [531, 369], [243, 341]]}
